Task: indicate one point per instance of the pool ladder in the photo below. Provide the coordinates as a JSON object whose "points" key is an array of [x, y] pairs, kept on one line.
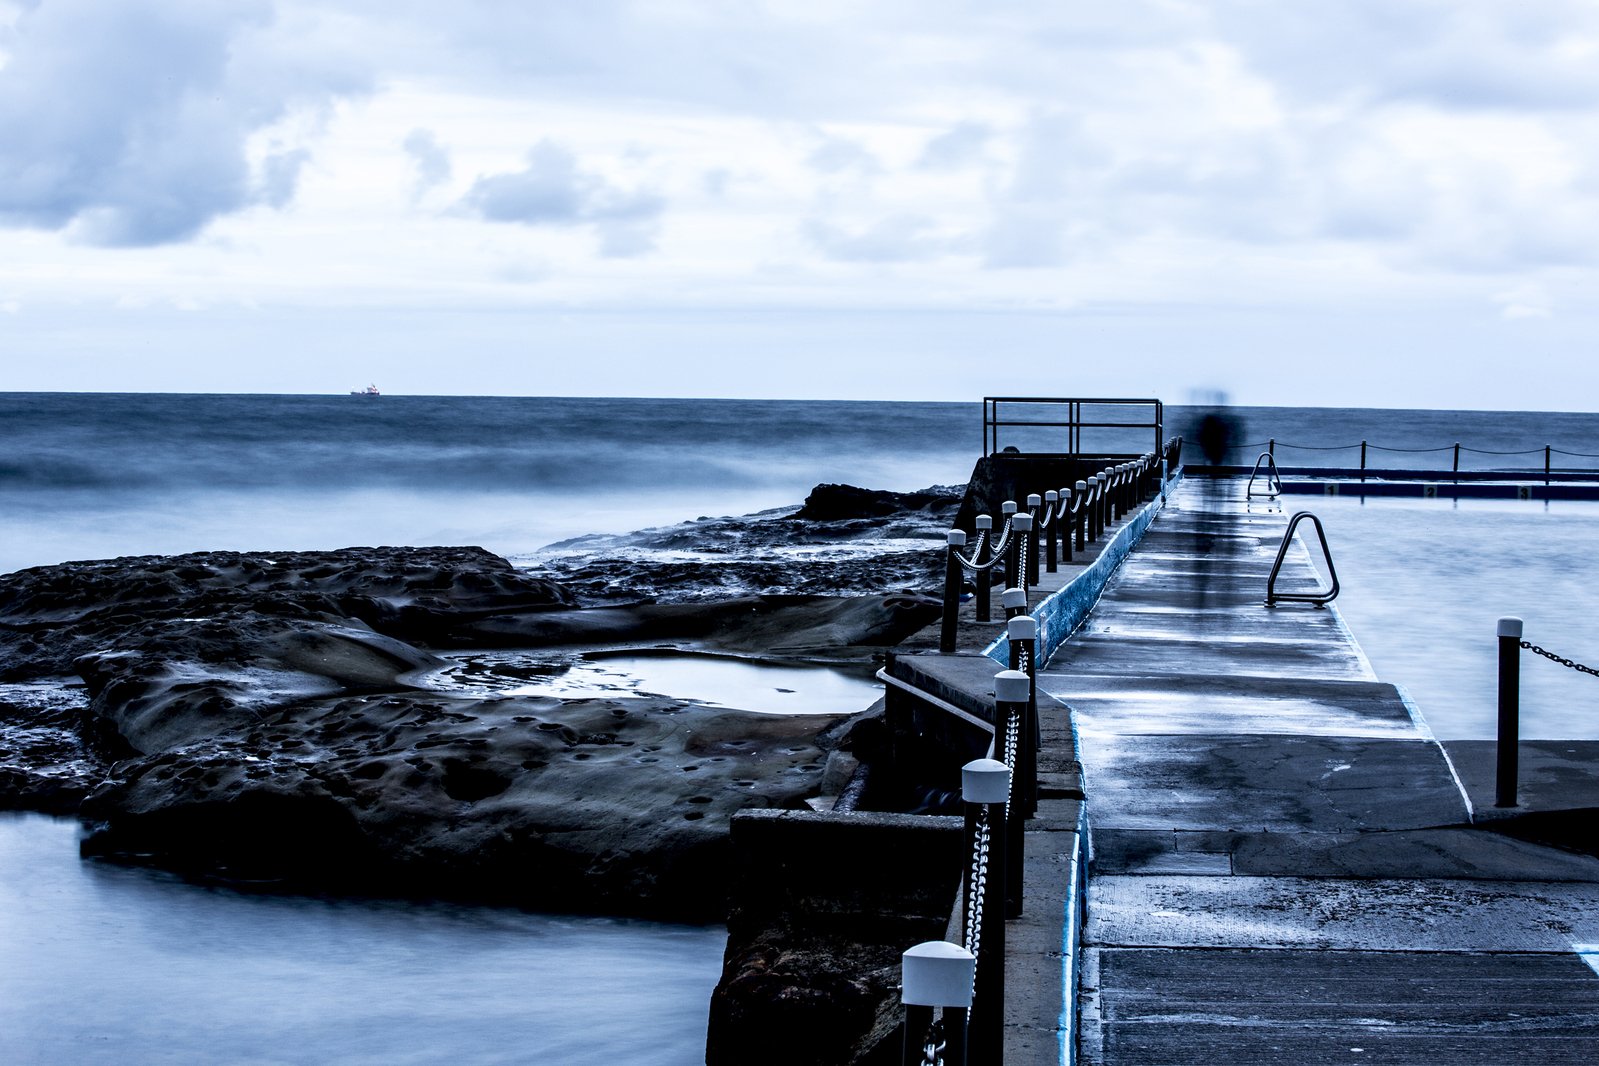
{"points": [[1321, 597], [1274, 482]]}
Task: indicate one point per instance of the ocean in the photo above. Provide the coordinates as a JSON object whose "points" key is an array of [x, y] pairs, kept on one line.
{"points": [[101, 475]]}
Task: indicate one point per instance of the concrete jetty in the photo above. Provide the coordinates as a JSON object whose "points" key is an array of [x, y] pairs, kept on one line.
{"points": [[1283, 864]]}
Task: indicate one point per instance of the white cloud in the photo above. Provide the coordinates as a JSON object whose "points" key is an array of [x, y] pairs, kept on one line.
{"points": [[552, 190], [898, 238], [959, 146], [127, 124], [431, 159], [1528, 300], [805, 154]]}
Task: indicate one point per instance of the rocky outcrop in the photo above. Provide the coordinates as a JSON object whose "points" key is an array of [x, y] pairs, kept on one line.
{"points": [[273, 715], [52, 615], [614, 805]]}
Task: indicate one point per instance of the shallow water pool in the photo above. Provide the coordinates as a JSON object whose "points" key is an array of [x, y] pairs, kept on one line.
{"points": [[710, 680]]}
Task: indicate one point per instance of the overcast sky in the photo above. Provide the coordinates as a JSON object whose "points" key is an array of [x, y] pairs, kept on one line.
{"points": [[1367, 202]]}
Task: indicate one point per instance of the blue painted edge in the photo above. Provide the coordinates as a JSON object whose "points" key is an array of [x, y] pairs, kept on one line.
{"points": [[1071, 933], [1064, 610]]}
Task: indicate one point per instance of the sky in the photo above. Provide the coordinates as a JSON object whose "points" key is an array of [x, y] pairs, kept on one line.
{"points": [[1388, 203]]}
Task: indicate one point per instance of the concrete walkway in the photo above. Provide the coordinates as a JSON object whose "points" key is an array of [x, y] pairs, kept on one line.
{"points": [[1283, 865]]}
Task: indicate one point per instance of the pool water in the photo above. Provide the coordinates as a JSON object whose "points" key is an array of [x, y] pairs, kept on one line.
{"points": [[1426, 581], [711, 680]]}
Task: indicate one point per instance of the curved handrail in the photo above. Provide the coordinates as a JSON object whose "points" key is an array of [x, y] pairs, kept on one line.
{"points": [[1320, 598], [1274, 482]]}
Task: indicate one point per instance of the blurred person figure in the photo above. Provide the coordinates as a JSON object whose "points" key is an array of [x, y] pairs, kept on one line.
{"points": [[1218, 432]]}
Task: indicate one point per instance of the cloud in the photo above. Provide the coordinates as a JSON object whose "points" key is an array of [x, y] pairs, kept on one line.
{"points": [[959, 146], [837, 154], [280, 175], [895, 239], [431, 159], [1527, 300], [128, 124], [1450, 54], [553, 191]]}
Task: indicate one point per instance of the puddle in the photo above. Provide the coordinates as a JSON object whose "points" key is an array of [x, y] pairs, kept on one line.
{"points": [[710, 680]]}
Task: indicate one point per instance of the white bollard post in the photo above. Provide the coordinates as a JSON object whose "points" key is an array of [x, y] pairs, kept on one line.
{"points": [[936, 974]]}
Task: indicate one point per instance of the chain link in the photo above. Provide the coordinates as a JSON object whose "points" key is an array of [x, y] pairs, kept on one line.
{"points": [[979, 886], [1013, 735], [933, 1045], [972, 564], [1551, 656]]}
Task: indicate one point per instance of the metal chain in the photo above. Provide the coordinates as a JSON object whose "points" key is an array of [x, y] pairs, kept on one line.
{"points": [[1530, 646], [933, 1045], [1013, 734], [973, 940], [972, 565], [1004, 540]]}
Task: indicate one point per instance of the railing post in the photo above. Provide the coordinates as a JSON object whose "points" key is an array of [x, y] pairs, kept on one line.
{"points": [[1081, 521], [936, 974], [985, 786], [984, 576], [1093, 508], [1010, 725], [1509, 748], [1052, 505], [953, 580], [1035, 504], [1067, 524], [1457, 458], [1022, 636], [1363, 460], [1021, 559], [1546, 465], [1271, 448], [1014, 601]]}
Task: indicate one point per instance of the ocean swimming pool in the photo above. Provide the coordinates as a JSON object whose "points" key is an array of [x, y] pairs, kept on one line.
{"points": [[1425, 582]]}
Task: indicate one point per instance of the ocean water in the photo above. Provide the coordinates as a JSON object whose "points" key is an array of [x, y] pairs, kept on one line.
{"points": [[96, 959], [101, 964], [97, 476]]}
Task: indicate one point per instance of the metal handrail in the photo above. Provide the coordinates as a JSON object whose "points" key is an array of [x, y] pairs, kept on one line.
{"points": [[1274, 481], [1073, 423], [1320, 598]]}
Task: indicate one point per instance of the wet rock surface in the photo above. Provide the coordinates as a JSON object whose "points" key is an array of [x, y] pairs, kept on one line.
{"points": [[268, 716], [844, 541]]}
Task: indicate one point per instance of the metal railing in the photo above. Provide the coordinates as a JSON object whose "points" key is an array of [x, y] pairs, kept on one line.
{"points": [[1043, 535], [1454, 450], [1066, 414]]}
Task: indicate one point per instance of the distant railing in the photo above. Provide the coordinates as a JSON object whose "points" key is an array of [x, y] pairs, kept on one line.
{"points": [[1069, 416], [1454, 451]]}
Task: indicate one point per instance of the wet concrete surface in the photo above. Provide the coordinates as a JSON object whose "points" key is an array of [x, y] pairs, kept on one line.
{"points": [[1284, 865], [1267, 1008]]}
